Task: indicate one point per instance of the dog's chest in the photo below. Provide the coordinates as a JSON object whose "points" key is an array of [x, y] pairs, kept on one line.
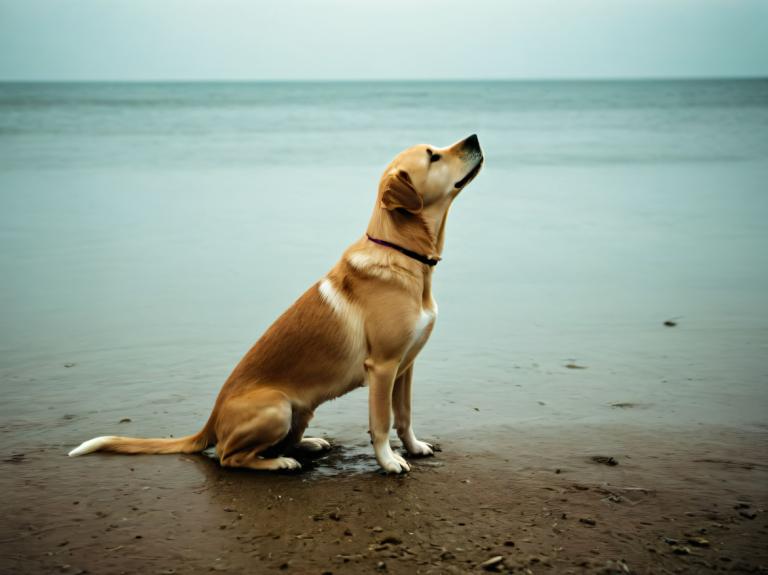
{"points": [[420, 332]]}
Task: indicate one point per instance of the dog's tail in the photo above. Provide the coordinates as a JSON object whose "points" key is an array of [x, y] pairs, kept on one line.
{"points": [[132, 445]]}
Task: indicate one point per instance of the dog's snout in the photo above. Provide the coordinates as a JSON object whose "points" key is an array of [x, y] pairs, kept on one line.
{"points": [[472, 143]]}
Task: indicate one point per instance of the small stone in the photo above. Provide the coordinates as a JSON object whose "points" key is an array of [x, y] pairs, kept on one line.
{"points": [[390, 538], [605, 460], [681, 550], [377, 529], [509, 543], [493, 564], [381, 566], [70, 364], [447, 556], [575, 366], [125, 420], [348, 532], [698, 542], [587, 521], [335, 515], [748, 514]]}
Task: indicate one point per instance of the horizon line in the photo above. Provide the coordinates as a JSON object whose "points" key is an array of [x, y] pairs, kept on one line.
{"points": [[691, 78]]}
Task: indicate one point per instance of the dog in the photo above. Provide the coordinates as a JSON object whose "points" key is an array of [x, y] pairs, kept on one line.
{"points": [[363, 323]]}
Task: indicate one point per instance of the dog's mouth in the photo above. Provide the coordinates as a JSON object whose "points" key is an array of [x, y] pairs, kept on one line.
{"points": [[470, 176]]}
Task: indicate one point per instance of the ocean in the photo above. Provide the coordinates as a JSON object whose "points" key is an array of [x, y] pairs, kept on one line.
{"points": [[150, 232]]}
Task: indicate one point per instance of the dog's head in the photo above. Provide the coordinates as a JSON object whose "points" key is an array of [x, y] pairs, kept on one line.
{"points": [[425, 178]]}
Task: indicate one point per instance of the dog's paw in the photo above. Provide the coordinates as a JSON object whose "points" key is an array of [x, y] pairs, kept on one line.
{"points": [[313, 444], [420, 448], [392, 462], [286, 463], [396, 467], [401, 460]]}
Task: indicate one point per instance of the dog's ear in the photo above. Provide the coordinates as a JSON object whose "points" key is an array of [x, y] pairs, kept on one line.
{"points": [[398, 192]]}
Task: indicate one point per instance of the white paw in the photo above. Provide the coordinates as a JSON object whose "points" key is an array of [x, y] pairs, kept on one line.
{"points": [[392, 462], [401, 460], [314, 444], [394, 466], [286, 463], [421, 448]]}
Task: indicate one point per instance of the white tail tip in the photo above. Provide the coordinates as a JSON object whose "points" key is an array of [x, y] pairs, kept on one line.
{"points": [[91, 445]]}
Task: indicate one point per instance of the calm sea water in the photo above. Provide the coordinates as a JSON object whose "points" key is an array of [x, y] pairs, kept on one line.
{"points": [[150, 232]]}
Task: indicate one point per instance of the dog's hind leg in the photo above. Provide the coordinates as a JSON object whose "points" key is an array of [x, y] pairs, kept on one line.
{"points": [[251, 424], [296, 439]]}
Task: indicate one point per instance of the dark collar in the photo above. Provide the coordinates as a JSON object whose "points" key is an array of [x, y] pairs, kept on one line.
{"points": [[418, 257]]}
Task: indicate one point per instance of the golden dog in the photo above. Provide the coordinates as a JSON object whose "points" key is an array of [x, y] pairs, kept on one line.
{"points": [[363, 323]]}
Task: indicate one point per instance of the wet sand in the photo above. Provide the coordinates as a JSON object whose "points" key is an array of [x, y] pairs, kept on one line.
{"points": [[546, 500]]}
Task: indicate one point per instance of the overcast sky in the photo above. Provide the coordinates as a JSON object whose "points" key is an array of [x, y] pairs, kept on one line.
{"points": [[381, 39]]}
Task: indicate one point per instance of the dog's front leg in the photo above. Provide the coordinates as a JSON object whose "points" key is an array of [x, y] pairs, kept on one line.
{"points": [[381, 380], [401, 403]]}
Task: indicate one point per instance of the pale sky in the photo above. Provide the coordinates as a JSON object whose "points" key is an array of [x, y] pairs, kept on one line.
{"points": [[377, 39]]}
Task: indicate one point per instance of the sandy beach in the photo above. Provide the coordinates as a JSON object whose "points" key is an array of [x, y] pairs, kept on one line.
{"points": [[573, 500]]}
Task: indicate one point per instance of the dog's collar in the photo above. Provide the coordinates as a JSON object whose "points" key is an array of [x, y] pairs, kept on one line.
{"points": [[405, 251]]}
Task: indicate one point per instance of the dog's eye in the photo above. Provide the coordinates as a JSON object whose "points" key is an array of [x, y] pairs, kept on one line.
{"points": [[432, 156]]}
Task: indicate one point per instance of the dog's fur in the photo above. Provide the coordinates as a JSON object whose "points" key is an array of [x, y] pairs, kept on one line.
{"points": [[363, 323]]}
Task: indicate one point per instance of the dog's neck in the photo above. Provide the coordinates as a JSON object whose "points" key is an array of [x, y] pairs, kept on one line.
{"points": [[419, 233]]}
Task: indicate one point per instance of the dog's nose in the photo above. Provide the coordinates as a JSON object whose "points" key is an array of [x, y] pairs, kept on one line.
{"points": [[472, 143]]}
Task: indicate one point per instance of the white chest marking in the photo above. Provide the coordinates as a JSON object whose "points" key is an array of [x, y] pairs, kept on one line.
{"points": [[421, 331], [426, 319], [349, 315]]}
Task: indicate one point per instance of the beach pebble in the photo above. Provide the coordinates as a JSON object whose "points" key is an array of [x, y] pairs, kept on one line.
{"points": [[605, 460], [698, 542], [748, 514], [125, 420], [587, 521], [390, 538], [493, 564], [575, 366]]}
